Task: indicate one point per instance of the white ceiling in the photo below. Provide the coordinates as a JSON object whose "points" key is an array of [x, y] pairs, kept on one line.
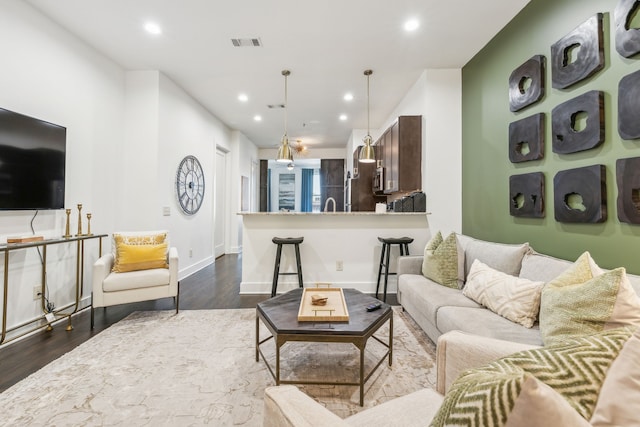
{"points": [[327, 44]]}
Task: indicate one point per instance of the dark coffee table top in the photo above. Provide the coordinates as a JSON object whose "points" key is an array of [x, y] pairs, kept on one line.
{"points": [[281, 312]]}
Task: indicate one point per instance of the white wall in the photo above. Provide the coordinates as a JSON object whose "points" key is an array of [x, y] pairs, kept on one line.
{"points": [[437, 96], [48, 74], [126, 134], [246, 162]]}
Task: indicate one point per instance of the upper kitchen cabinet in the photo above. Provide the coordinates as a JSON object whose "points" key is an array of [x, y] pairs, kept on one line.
{"points": [[401, 151]]}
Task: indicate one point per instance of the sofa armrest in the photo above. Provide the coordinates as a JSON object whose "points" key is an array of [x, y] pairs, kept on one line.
{"points": [[410, 264], [285, 405], [459, 351]]}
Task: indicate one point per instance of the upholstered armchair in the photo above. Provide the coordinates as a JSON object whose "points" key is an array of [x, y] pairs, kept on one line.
{"points": [[141, 267]]}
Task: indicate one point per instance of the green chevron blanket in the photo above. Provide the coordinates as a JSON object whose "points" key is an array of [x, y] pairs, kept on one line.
{"points": [[575, 369]]}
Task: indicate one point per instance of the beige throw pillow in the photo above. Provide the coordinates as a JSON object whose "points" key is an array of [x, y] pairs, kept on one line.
{"points": [[444, 261], [538, 405], [619, 400], [511, 297], [584, 300]]}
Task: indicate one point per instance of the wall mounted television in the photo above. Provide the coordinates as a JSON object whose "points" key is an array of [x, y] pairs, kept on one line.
{"points": [[32, 163]]}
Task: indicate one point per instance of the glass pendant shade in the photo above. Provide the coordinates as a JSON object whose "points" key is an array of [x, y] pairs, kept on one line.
{"points": [[367, 154]]}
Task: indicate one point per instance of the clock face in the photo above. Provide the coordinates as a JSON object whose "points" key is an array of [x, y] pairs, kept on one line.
{"points": [[190, 185]]}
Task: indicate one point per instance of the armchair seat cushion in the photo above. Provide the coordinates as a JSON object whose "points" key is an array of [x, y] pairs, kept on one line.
{"points": [[136, 280]]}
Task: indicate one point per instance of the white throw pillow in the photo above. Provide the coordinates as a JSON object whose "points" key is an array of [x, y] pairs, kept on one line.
{"points": [[511, 297]]}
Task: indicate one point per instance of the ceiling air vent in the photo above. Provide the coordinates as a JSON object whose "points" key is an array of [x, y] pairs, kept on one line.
{"points": [[275, 105], [246, 42]]}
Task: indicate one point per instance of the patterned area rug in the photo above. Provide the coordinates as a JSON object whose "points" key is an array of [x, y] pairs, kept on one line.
{"points": [[198, 367]]}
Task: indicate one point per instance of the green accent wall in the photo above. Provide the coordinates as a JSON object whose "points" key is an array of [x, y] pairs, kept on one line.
{"points": [[485, 162]]}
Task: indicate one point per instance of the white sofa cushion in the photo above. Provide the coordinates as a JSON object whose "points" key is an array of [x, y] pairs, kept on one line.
{"points": [[136, 280], [486, 323], [502, 257], [416, 409]]}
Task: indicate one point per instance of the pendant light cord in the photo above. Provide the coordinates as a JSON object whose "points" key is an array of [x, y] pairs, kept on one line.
{"points": [[285, 73], [368, 102], [368, 74]]}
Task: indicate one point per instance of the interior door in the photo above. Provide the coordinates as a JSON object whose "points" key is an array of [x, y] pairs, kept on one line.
{"points": [[220, 208]]}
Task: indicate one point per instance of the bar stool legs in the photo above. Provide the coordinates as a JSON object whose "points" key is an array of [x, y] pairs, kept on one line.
{"points": [[276, 271], [403, 244]]}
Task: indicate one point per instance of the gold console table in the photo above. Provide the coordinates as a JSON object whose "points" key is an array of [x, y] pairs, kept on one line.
{"points": [[59, 313]]}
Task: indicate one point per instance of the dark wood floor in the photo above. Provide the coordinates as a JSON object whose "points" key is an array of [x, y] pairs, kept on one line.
{"points": [[214, 287]]}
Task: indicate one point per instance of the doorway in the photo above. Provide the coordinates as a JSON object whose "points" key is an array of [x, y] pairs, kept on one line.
{"points": [[219, 217]]}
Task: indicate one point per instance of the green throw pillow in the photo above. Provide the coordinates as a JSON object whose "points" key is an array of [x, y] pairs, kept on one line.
{"points": [[584, 300], [575, 369], [440, 262]]}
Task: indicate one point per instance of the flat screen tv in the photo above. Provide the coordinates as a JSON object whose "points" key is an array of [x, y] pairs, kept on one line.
{"points": [[32, 163]]}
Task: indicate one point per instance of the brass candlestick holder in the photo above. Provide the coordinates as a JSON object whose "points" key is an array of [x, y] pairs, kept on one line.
{"points": [[67, 234], [79, 219], [89, 225]]}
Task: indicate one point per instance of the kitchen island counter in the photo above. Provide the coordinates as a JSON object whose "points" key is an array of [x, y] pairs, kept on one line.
{"points": [[340, 248]]}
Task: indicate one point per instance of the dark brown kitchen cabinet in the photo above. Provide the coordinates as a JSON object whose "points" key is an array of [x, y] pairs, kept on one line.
{"points": [[401, 148], [363, 198], [332, 183]]}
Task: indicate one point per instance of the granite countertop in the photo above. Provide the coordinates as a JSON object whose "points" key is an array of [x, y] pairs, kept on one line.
{"points": [[336, 213]]}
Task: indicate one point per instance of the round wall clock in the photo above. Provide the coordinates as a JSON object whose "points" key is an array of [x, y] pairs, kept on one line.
{"points": [[190, 185]]}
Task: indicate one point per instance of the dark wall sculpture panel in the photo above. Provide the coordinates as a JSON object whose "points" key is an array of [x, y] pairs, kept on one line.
{"points": [[567, 138], [526, 195], [526, 139], [627, 39], [587, 42], [628, 179], [629, 106], [580, 195], [526, 83]]}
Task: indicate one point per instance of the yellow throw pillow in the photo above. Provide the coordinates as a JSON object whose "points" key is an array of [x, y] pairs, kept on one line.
{"points": [[140, 253]]}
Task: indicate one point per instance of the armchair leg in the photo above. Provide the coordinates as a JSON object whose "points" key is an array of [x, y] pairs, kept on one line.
{"points": [[91, 310]]}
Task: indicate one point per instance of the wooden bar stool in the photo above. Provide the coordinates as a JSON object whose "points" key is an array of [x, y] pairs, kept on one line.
{"points": [[276, 272], [403, 243]]}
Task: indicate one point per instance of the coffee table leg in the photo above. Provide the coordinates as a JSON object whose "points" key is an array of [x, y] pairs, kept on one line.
{"points": [[257, 338], [391, 339], [278, 344], [362, 375]]}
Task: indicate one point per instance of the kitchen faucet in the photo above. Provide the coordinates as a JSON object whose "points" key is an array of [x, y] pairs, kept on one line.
{"points": [[326, 204]]}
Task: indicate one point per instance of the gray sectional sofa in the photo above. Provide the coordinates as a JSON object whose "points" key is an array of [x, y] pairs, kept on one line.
{"points": [[468, 336], [439, 309]]}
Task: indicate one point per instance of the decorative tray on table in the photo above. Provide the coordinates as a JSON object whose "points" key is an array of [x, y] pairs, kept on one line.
{"points": [[323, 305]]}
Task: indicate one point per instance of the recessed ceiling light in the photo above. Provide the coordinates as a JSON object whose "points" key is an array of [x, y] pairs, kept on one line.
{"points": [[411, 25], [343, 117], [257, 118], [348, 97], [153, 28], [243, 97]]}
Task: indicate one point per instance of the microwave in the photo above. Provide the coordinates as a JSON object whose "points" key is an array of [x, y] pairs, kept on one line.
{"points": [[378, 180]]}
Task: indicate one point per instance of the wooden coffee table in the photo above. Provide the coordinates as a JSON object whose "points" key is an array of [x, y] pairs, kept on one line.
{"points": [[280, 316]]}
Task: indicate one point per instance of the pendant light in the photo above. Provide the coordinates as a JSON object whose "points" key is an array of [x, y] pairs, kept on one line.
{"points": [[367, 154], [285, 153]]}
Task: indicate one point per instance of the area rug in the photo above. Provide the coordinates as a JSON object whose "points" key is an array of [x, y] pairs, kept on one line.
{"points": [[198, 368]]}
